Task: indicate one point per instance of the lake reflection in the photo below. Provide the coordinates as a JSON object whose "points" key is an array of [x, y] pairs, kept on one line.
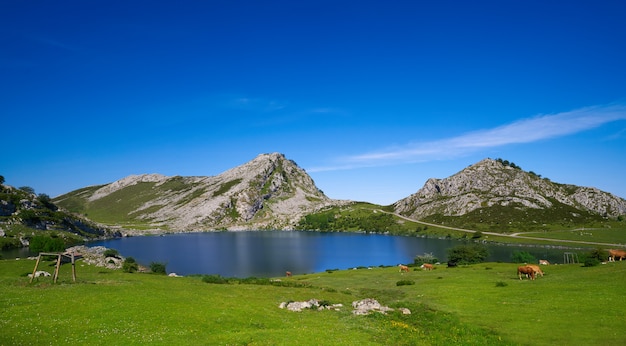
{"points": [[271, 253]]}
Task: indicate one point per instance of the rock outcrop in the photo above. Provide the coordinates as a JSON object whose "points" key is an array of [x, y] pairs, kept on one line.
{"points": [[95, 255], [360, 307]]}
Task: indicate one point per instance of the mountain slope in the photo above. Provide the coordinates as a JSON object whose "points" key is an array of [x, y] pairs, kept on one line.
{"points": [[269, 192], [25, 216], [491, 191]]}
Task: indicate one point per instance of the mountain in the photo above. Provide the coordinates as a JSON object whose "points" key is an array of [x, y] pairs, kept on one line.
{"points": [[269, 192], [501, 193]]}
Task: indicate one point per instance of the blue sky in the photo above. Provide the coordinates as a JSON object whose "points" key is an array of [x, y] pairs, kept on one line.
{"points": [[372, 98]]}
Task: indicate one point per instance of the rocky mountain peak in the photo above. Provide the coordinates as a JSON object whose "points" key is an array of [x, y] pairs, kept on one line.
{"points": [[268, 192], [498, 182]]}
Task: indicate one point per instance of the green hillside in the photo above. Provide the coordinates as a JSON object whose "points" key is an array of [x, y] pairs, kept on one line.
{"points": [[27, 218]]}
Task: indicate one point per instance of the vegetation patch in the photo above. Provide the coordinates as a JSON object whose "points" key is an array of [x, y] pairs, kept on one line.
{"points": [[226, 186], [405, 283]]}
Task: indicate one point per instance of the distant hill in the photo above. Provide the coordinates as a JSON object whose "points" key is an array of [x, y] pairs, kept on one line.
{"points": [[501, 196], [269, 192], [25, 215]]}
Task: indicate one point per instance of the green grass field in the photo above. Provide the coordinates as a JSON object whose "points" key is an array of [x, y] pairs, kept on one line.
{"points": [[484, 304]]}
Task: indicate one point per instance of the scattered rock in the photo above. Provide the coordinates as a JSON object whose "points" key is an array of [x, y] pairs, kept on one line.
{"points": [[367, 306], [40, 273], [361, 307], [310, 304]]}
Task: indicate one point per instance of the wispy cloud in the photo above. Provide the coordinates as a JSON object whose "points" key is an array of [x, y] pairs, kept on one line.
{"points": [[256, 104], [528, 130]]}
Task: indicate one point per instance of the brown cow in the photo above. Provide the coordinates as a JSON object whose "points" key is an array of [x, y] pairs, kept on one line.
{"points": [[526, 270], [536, 269], [616, 253], [427, 266], [288, 274], [544, 262], [404, 268]]}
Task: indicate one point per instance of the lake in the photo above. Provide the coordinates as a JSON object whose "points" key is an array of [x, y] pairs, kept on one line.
{"points": [[271, 253]]}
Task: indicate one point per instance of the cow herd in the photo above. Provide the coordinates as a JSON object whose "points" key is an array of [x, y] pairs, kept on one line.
{"points": [[530, 271]]}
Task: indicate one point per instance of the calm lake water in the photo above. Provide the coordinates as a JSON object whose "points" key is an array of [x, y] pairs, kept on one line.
{"points": [[271, 253]]}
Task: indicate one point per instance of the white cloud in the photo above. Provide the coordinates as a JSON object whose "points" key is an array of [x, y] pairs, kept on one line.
{"points": [[528, 130]]}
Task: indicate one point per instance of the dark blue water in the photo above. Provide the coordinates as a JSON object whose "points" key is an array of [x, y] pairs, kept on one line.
{"points": [[271, 253]]}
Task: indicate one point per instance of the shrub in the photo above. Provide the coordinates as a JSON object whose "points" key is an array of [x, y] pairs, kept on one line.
{"points": [[522, 257], [468, 253], [214, 279], [130, 265], [158, 268], [405, 283], [591, 262], [254, 281]]}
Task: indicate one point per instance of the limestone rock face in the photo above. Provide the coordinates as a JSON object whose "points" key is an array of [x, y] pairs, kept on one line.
{"points": [[268, 192], [491, 183]]}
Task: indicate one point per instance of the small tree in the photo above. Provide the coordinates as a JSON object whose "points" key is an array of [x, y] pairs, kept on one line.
{"points": [[468, 254], [523, 257], [130, 265], [27, 189], [158, 268], [40, 243], [47, 201], [598, 254]]}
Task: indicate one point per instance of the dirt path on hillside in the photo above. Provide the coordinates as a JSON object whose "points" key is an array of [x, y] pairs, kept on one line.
{"points": [[512, 235]]}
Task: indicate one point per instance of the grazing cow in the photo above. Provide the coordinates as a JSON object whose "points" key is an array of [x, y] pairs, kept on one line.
{"points": [[452, 264], [404, 268], [536, 269], [427, 266], [616, 253], [288, 274], [544, 262], [526, 270]]}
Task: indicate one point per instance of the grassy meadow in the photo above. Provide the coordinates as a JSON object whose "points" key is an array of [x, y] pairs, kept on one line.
{"points": [[482, 304]]}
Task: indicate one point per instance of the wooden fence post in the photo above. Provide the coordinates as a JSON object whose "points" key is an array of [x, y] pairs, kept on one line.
{"points": [[35, 270], [73, 268], [56, 270]]}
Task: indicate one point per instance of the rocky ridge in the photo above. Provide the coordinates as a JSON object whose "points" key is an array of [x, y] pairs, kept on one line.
{"points": [[492, 183]]}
